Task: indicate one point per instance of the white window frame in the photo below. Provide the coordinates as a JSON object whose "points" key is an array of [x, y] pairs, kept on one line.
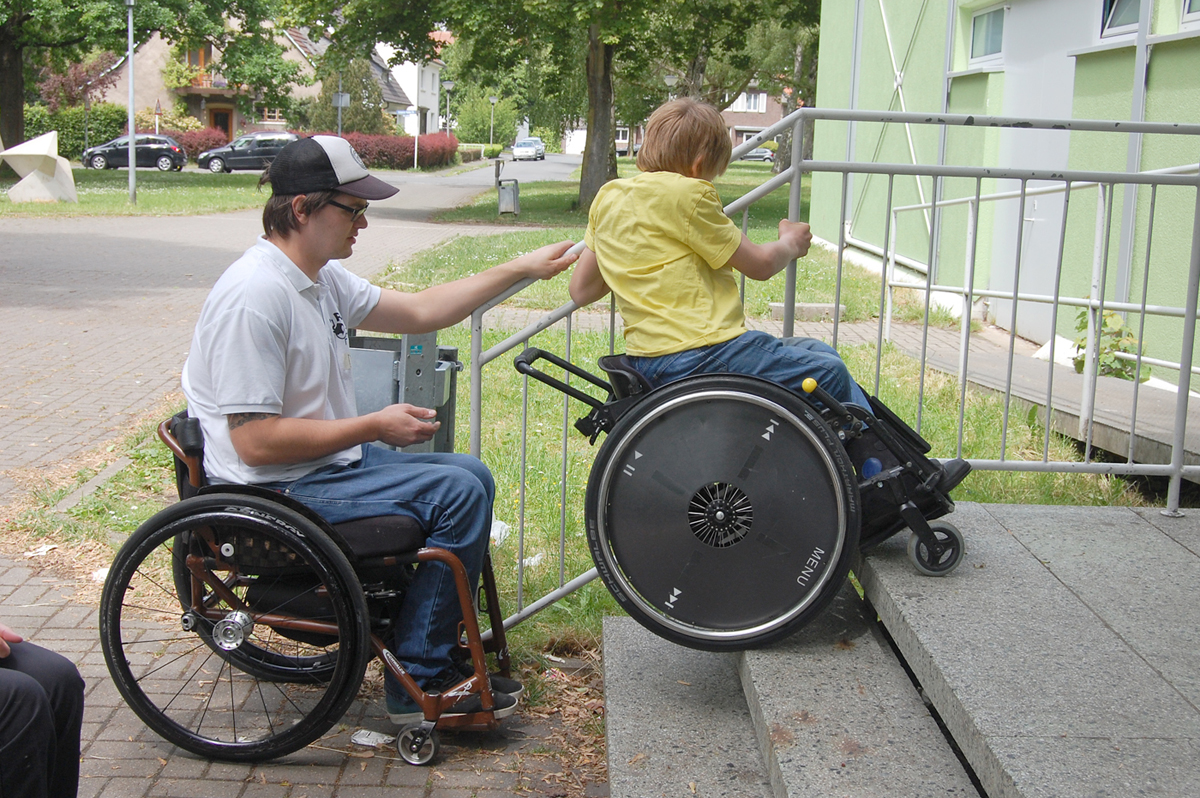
{"points": [[743, 105], [990, 58], [1123, 30], [619, 137], [1192, 14]]}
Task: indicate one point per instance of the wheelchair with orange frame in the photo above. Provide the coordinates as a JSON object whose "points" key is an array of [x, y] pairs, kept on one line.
{"points": [[238, 624]]}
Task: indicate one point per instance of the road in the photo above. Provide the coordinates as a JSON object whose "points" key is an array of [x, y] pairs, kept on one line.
{"points": [[102, 309]]}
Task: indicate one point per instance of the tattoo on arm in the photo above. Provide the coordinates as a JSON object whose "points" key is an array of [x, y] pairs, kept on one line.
{"points": [[238, 419]]}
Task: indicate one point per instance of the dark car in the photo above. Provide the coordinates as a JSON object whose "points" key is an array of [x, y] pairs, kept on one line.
{"points": [[251, 151], [151, 150]]}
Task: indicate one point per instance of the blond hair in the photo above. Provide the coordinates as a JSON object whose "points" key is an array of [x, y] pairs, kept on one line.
{"points": [[681, 131]]}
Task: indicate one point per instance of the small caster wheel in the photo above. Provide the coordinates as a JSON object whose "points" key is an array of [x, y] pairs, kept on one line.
{"points": [[417, 747], [942, 556]]}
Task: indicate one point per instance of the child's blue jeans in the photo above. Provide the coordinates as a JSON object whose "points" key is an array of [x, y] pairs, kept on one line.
{"points": [[787, 361]]}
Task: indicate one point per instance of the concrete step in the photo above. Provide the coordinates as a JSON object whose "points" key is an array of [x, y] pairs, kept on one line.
{"points": [[676, 720], [828, 712], [835, 713], [1062, 655]]}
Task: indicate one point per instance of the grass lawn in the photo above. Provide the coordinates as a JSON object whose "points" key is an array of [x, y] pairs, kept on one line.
{"points": [[106, 193]]}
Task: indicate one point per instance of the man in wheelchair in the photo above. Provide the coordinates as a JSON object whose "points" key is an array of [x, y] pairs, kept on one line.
{"points": [[661, 242], [268, 376]]}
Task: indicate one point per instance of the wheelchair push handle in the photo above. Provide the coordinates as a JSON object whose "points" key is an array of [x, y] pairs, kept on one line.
{"points": [[524, 364]]}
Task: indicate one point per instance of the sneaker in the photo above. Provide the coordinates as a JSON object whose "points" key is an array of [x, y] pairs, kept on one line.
{"points": [[403, 710], [953, 472], [499, 683]]}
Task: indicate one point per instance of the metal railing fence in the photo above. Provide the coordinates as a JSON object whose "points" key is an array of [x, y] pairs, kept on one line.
{"points": [[1057, 181]]}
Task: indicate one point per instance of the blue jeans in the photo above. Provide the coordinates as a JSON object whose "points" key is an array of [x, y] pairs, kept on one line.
{"points": [[451, 496], [788, 362]]}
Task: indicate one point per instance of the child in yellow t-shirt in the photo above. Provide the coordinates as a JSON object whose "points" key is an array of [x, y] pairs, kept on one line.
{"points": [[662, 243]]}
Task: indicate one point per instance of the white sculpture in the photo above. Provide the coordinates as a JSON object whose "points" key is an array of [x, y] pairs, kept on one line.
{"points": [[45, 175]]}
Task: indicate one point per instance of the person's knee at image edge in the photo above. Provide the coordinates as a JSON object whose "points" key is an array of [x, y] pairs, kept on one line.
{"points": [[269, 377], [41, 715]]}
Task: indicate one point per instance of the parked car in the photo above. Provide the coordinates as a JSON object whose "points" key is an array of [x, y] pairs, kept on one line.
{"points": [[151, 150], [531, 149], [759, 154], [251, 151]]}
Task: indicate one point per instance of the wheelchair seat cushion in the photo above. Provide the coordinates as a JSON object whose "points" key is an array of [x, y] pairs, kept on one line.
{"points": [[381, 536]]}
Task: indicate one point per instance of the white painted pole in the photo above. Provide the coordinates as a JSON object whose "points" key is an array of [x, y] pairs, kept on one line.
{"points": [[132, 123]]}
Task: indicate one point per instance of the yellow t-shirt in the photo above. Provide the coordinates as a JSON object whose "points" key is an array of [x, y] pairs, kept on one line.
{"points": [[662, 242]]}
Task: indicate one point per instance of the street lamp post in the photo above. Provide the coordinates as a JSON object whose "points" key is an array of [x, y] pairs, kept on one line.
{"points": [[132, 123], [670, 80], [492, 126], [447, 85]]}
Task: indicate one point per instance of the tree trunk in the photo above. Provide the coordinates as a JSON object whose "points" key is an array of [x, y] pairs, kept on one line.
{"points": [[600, 154], [12, 95], [783, 156]]}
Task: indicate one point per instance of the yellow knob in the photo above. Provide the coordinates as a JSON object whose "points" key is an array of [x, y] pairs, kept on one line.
{"points": [[809, 385]]}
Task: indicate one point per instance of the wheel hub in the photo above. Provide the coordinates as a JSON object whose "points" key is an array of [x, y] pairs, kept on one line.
{"points": [[720, 514], [231, 631]]}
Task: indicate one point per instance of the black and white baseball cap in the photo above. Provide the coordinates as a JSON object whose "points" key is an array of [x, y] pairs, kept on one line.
{"points": [[325, 163]]}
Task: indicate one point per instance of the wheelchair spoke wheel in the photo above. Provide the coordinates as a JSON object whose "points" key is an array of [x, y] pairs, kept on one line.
{"points": [[722, 512], [234, 627]]}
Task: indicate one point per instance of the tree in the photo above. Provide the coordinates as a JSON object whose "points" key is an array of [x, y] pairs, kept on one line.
{"points": [[473, 115], [366, 112], [61, 32], [70, 86]]}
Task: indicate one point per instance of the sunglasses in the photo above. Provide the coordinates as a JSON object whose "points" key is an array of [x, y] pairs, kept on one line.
{"points": [[355, 213]]}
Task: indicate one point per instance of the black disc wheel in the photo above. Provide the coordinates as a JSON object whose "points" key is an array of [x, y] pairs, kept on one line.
{"points": [[942, 554], [263, 648], [722, 512]]}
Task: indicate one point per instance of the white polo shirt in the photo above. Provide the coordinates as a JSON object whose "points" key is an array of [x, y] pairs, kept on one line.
{"points": [[269, 340]]}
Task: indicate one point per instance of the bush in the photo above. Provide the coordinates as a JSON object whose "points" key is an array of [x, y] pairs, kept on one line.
{"points": [[470, 152], [105, 121], [493, 150], [171, 121], [195, 142], [550, 137], [770, 144], [396, 152]]}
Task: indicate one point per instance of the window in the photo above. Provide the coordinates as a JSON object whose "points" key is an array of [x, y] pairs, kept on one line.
{"points": [[750, 103], [987, 34], [1121, 16], [200, 57], [272, 115], [622, 134], [1191, 11]]}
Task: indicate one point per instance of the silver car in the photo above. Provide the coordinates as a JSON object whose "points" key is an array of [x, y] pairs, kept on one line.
{"points": [[530, 149]]}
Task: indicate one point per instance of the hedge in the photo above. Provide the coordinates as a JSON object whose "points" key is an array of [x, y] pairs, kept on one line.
{"points": [[380, 151], [105, 122]]}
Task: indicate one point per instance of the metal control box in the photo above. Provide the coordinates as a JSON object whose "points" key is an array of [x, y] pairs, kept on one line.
{"points": [[411, 369]]}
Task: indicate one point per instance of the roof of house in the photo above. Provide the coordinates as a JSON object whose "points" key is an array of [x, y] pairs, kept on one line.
{"points": [[312, 49]]}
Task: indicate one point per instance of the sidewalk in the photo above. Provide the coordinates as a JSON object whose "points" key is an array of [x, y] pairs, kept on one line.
{"points": [[124, 759]]}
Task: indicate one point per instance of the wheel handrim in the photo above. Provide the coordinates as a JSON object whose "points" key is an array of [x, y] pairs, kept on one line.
{"points": [[211, 702]]}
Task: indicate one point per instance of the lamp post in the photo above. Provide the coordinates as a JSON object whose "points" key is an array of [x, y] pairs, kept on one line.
{"points": [[132, 123], [447, 85], [670, 80], [492, 126]]}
